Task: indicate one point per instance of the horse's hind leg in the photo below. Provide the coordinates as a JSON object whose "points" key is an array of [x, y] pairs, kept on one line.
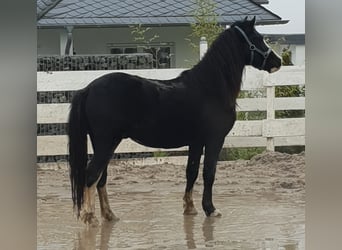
{"points": [[106, 212], [195, 152], [103, 150], [87, 213]]}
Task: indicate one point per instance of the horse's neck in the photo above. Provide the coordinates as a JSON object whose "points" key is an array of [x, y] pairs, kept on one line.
{"points": [[220, 74]]}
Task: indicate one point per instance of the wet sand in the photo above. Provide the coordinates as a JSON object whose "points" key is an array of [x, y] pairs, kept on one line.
{"points": [[262, 202]]}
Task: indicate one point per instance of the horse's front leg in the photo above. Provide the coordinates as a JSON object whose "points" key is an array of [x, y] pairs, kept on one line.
{"points": [[212, 150], [195, 152]]}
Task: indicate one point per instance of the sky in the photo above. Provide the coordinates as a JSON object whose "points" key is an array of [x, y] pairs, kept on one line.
{"points": [[293, 10]]}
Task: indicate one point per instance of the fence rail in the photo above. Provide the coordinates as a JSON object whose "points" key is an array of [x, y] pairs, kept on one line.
{"points": [[269, 132]]}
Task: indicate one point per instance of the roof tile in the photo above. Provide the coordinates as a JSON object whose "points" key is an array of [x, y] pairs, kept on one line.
{"points": [[123, 12]]}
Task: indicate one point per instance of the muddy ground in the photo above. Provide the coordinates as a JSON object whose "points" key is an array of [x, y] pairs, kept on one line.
{"points": [[262, 201]]}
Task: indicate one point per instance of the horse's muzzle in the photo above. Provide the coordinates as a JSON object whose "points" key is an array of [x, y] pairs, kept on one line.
{"points": [[274, 69]]}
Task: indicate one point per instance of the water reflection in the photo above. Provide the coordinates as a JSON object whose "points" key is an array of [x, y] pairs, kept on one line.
{"points": [[208, 229], [87, 237], [291, 247], [208, 226], [189, 224], [273, 244], [143, 229]]}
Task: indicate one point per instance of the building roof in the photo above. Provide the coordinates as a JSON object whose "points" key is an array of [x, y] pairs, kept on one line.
{"points": [[56, 13], [261, 1], [298, 39]]}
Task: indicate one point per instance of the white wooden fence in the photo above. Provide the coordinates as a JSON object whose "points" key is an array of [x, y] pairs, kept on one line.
{"points": [[270, 132]]}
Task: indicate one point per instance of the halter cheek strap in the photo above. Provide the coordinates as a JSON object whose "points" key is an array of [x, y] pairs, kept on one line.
{"points": [[253, 48]]}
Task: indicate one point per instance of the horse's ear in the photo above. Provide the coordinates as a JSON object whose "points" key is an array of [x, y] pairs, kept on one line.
{"points": [[251, 23], [253, 20], [245, 19]]}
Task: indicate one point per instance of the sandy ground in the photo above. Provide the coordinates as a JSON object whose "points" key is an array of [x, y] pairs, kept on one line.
{"points": [[262, 201]]}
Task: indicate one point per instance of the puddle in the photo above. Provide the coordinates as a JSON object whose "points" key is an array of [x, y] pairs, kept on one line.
{"points": [[258, 217]]}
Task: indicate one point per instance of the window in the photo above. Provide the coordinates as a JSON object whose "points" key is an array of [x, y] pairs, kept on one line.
{"points": [[123, 50]]}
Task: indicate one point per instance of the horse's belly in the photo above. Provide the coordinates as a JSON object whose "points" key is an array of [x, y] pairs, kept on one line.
{"points": [[158, 138], [159, 144]]}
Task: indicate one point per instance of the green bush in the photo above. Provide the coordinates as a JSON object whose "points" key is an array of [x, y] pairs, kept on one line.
{"points": [[158, 154], [232, 154], [290, 149], [290, 91]]}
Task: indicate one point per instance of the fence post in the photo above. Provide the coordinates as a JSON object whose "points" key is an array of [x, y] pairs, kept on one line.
{"points": [[203, 46], [270, 95]]}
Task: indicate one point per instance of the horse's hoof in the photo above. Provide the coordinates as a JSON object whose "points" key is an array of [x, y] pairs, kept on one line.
{"points": [[190, 211], [216, 213], [188, 205], [109, 216], [90, 219]]}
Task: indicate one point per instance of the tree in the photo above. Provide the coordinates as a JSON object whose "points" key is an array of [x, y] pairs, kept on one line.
{"points": [[286, 56], [141, 35], [205, 24]]}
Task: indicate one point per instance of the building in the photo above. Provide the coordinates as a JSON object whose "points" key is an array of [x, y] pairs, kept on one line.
{"points": [[88, 27], [294, 43]]}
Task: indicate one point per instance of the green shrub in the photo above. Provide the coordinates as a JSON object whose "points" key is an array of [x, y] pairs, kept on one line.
{"points": [[158, 154], [232, 154]]}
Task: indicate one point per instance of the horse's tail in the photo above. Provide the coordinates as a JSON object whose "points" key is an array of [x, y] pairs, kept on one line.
{"points": [[78, 156]]}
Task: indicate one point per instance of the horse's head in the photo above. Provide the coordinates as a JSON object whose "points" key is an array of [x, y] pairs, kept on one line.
{"points": [[257, 52]]}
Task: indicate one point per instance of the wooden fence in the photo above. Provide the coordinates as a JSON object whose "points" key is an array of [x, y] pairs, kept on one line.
{"points": [[269, 132]]}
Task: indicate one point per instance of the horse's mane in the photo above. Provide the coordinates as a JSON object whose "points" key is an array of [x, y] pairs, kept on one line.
{"points": [[220, 70]]}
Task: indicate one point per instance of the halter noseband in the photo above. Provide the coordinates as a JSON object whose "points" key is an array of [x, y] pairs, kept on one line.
{"points": [[253, 48]]}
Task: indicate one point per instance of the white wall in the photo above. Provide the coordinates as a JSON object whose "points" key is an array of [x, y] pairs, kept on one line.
{"points": [[48, 41], [95, 41], [299, 55]]}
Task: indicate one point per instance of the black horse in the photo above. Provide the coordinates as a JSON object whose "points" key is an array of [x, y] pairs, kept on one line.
{"points": [[196, 109]]}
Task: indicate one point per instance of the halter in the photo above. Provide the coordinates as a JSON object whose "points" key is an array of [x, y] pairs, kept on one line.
{"points": [[253, 48]]}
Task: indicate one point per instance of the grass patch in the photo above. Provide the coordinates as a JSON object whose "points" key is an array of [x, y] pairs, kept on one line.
{"points": [[290, 149], [232, 154], [160, 154]]}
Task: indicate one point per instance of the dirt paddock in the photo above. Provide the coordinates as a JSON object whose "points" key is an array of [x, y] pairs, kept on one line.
{"points": [[262, 203]]}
